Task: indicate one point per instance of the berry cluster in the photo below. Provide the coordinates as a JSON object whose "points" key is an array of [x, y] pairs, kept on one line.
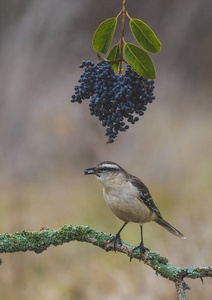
{"points": [[114, 98]]}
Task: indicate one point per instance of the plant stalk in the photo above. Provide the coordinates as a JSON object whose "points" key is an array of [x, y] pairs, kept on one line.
{"points": [[122, 34]]}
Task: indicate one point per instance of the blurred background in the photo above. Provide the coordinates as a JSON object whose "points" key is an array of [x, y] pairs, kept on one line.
{"points": [[46, 143]]}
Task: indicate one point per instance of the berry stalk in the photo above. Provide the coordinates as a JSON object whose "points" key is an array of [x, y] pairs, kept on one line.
{"points": [[122, 36]]}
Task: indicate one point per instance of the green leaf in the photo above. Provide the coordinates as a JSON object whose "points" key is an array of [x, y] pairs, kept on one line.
{"points": [[145, 36], [113, 55], [139, 60], [103, 36]]}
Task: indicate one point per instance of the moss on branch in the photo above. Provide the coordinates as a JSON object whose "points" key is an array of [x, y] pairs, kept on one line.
{"points": [[40, 241]]}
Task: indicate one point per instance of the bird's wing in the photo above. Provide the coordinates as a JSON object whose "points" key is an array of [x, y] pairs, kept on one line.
{"points": [[144, 195]]}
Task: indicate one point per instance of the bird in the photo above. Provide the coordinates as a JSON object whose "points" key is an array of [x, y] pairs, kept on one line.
{"points": [[129, 199]]}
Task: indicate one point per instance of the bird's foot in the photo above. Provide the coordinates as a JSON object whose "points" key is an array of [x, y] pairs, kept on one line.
{"points": [[115, 239], [142, 250]]}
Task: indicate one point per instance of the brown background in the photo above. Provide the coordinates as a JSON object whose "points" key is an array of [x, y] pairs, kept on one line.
{"points": [[46, 142]]}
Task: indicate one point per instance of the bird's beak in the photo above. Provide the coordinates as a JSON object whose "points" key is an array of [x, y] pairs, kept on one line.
{"points": [[89, 171]]}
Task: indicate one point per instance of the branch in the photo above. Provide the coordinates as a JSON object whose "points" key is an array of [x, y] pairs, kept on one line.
{"points": [[122, 35], [181, 288], [40, 241]]}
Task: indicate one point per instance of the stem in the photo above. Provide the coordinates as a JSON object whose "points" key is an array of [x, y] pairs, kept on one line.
{"points": [[128, 15], [180, 287], [119, 14], [122, 35]]}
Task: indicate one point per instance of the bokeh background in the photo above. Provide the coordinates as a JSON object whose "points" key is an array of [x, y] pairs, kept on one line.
{"points": [[46, 142]]}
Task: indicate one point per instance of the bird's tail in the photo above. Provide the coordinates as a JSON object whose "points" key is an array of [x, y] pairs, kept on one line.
{"points": [[170, 228]]}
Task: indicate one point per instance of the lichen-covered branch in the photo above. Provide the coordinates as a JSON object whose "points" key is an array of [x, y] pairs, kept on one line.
{"points": [[181, 287], [40, 241]]}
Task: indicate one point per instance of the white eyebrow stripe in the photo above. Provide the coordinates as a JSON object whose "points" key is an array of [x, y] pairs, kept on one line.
{"points": [[110, 166]]}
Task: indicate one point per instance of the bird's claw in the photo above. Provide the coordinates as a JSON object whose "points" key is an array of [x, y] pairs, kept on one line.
{"points": [[115, 239], [142, 251]]}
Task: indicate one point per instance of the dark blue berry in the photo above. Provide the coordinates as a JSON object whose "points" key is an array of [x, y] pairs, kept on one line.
{"points": [[115, 99]]}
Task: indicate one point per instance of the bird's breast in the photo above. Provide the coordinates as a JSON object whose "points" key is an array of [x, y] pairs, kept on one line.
{"points": [[126, 205]]}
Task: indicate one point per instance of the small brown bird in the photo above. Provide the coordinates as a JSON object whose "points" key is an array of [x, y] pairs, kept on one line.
{"points": [[129, 199]]}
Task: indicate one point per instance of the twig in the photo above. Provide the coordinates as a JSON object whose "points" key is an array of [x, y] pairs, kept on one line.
{"points": [[122, 35]]}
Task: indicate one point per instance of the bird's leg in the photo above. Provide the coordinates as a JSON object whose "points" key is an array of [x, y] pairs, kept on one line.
{"points": [[117, 236], [141, 245]]}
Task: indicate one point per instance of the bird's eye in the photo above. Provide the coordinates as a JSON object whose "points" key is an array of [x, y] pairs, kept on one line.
{"points": [[102, 170]]}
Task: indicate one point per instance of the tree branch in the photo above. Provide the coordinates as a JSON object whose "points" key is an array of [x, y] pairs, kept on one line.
{"points": [[181, 287], [40, 241]]}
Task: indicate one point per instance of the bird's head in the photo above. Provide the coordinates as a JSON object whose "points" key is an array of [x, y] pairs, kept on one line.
{"points": [[105, 171]]}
